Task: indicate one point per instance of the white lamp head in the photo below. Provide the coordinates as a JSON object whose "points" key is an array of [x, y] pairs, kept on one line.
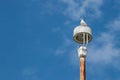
{"points": [[82, 34]]}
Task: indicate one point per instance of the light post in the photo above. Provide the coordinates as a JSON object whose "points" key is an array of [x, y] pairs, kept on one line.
{"points": [[82, 35]]}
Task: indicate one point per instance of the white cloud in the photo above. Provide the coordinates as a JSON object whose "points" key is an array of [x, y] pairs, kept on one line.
{"points": [[74, 59], [77, 9], [102, 50], [114, 25], [56, 29], [106, 51], [60, 51], [30, 74], [63, 48]]}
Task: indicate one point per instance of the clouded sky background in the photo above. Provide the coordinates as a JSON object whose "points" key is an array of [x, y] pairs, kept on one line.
{"points": [[36, 39]]}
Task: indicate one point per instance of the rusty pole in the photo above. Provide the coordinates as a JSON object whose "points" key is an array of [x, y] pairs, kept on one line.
{"points": [[82, 68], [82, 55]]}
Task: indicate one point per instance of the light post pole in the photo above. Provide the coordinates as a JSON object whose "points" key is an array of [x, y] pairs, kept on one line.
{"points": [[82, 35]]}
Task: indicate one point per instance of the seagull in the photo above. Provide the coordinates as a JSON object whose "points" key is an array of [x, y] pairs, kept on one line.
{"points": [[83, 23]]}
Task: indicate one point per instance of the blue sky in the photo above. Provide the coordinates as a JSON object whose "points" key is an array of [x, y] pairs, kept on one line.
{"points": [[37, 39]]}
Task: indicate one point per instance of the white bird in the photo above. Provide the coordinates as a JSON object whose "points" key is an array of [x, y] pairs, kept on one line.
{"points": [[83, 23]]}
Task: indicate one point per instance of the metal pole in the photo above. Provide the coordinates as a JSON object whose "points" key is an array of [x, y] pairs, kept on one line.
{"points": [[82, 68]]}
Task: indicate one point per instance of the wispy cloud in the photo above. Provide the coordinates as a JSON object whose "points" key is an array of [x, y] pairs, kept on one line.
{"points": [[102, 50], [30, 74], [76, 9], [107, 50], [63, 48]]}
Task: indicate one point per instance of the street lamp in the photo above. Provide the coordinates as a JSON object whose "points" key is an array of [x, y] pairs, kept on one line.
{"points": [[82, 35]]}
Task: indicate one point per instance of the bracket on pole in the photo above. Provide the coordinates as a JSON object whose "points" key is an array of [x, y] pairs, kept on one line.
{"points": [[82, 51]]}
